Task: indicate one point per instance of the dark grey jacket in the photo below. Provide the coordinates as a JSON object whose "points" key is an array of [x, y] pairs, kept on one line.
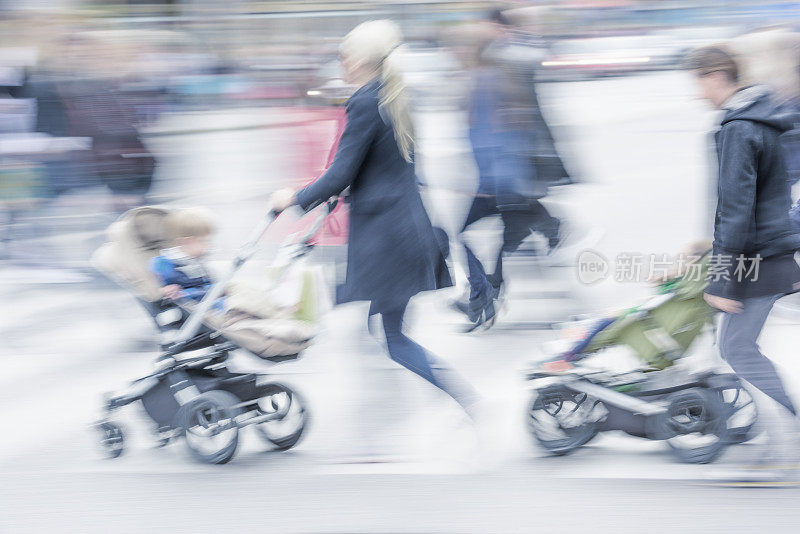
{"points": [[752, 216], [392, 253]]}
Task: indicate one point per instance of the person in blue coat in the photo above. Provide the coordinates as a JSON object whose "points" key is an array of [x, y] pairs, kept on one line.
{"points": [[393, 252], [514, 153]]}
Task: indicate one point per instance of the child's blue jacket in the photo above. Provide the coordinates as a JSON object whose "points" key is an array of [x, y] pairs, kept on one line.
{"points": [[172, 267]]}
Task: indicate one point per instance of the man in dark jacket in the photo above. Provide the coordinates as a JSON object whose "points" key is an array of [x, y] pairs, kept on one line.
{"points": [[753, 261]]}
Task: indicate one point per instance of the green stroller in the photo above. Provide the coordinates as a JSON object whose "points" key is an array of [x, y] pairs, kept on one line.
{"points": [[697, 415], [662, 329]]}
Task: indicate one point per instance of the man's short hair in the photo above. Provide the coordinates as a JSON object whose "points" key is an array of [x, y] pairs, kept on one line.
{"points": [[713, 58], [190, 222]]}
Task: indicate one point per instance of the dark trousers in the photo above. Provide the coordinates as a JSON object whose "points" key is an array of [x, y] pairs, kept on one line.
{"points": [[517, 225], [738, 345], [413, 357]]}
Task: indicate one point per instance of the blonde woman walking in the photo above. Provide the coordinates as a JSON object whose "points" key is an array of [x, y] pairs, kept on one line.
{"points": [[392, 253]]}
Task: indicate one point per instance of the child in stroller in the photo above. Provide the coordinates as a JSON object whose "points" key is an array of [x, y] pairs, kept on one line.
{"points": [[192, 392], [180, 268], [696, 414]]}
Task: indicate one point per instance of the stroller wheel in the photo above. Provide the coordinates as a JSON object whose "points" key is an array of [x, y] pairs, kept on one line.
{"points": [[286, 430], [741, 408], [112, 439], [695, 425], [209, 426], [560, 420]]}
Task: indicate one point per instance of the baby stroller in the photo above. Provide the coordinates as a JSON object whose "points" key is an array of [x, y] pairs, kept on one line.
{"points": [[192, 393], [697, 414]]}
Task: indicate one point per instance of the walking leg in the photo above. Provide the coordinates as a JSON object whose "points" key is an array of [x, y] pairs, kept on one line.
{"points": [[481, 207], [413, 357], [738, 345]]}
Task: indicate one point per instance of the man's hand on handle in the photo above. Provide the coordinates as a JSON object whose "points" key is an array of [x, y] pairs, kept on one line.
{"points": [[723, 304]]}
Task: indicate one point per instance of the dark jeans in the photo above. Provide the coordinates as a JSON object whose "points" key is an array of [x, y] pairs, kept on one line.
{"points": [[517, 225], [413, 357], [738, 345]]}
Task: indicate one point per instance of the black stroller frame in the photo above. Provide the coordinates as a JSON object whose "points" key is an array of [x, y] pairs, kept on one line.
{"points": [[199, 398]]}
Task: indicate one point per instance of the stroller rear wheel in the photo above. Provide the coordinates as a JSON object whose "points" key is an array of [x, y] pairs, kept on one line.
{"points": [[209, 426], [695, 425], [560, 420], [284, 431]]}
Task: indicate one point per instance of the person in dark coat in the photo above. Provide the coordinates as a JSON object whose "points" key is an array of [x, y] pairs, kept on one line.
{"points": [[393, 253], [97, 109], [753, 261], [514, 152], [61, 170]]}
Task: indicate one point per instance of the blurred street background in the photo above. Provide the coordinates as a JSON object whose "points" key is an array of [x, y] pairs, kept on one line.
{"points": [[221, 103]]}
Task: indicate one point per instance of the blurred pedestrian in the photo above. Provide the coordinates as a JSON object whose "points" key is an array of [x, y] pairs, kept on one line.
{"points": [[515, 155], [753, 261], [44, 85], [392, 253], [96, 108]]}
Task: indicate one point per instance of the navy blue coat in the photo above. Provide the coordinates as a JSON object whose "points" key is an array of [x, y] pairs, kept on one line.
{"points": [[752, 217], [392, 253], [512, 143], [502, 149]]}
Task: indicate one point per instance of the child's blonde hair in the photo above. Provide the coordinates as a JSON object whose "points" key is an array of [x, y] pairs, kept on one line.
{"points": [[189, 222]]}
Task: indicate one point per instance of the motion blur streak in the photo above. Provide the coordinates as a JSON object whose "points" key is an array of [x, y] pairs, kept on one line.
{"points": [[562, 153]]}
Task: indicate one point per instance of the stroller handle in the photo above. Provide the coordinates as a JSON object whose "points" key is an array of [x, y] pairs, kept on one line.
{"points": [[258, 232], [195, 319], [330, 205]]}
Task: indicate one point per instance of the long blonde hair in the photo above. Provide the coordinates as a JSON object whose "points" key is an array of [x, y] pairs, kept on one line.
{"points": [[374, 46]]}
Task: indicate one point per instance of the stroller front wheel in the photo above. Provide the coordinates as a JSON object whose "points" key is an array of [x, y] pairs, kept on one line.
{"points": [[209, 426], [560, 420], [112, 439], [286, 430]]}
